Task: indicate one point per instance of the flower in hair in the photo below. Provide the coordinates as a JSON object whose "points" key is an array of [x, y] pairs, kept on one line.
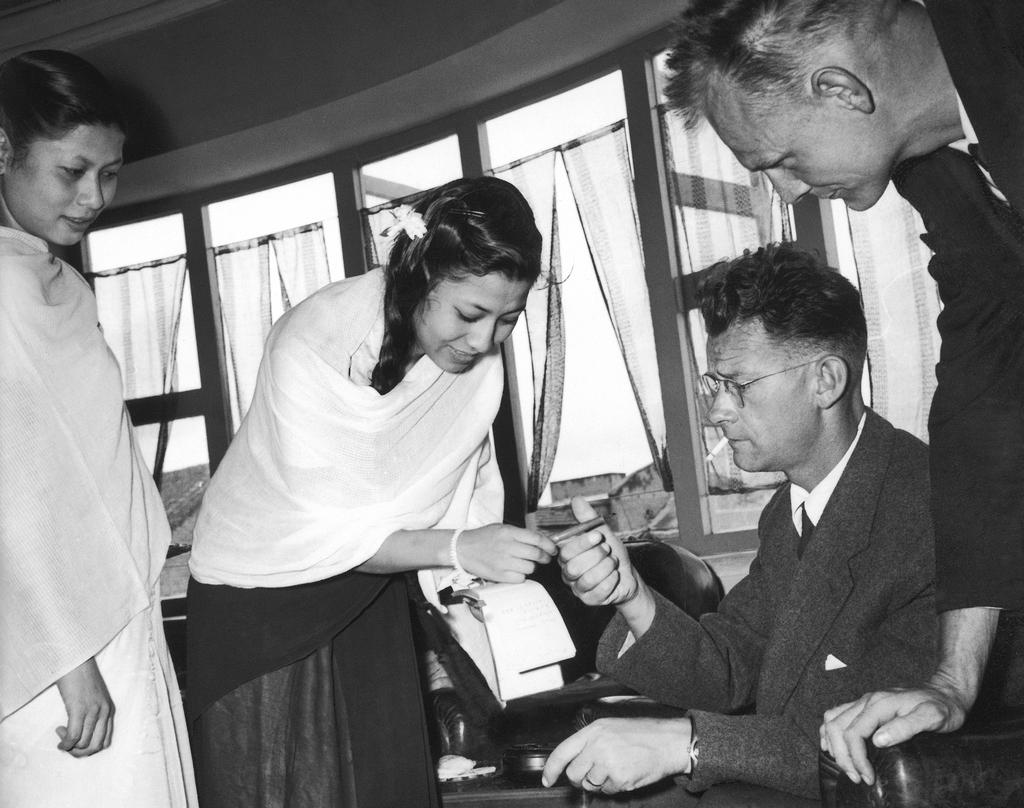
{"points": [[407, 221]]}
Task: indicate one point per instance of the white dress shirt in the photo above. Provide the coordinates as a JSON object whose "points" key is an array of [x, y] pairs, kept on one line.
{"points": [[817, 498]]}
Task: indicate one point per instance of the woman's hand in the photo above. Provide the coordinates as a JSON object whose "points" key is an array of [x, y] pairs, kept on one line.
{"points": [[503, 553], [90, 709]]}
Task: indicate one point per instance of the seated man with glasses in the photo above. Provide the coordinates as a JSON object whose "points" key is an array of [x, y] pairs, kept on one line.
{"points": [[820, 618]]}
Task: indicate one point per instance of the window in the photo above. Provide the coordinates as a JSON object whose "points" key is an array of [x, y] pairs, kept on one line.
{"points": [[411, 171], [140, 275], [400, 177], [282, 208], [183, 458], [718, 210], [272, 249], [556, 120], [560, 152]]}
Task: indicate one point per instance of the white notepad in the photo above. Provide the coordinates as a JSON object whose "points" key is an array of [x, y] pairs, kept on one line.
{"points": [[527, 636]]}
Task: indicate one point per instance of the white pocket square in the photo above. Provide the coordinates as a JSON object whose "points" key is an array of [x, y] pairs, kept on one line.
{"points": [[833, 663]]}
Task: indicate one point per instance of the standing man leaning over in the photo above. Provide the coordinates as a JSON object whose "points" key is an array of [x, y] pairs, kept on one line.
{"points": [[818, 620], [832, 98]]}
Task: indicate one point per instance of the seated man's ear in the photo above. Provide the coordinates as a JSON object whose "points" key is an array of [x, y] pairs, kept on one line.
{"points": [[844, 87], [832, 381]]}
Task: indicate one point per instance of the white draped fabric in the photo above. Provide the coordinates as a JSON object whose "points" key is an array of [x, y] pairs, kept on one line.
{"points": [[82, 541], [324, 469]]}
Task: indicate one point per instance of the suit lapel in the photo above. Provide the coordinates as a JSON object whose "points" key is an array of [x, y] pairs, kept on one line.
{"points": [[823, 580]]}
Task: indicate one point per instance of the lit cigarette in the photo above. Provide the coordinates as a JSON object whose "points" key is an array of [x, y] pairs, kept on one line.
{"points": [[718, 447]]}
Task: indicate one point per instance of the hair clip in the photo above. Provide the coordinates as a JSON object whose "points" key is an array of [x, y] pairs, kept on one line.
{"points": [[407, 221]]}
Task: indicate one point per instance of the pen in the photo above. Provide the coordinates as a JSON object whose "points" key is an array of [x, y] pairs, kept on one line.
{"points": [[577, 530], [718, 447]]}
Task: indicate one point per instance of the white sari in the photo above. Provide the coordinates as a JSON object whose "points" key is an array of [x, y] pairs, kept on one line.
{"points": [[324, 468], [83, 537]]}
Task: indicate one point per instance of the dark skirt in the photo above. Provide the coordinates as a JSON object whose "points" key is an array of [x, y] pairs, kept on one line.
{"points": [[320, 705]]}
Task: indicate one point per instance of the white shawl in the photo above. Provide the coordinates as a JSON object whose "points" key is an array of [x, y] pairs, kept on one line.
{"points": [[324, 468], [83, 533]]}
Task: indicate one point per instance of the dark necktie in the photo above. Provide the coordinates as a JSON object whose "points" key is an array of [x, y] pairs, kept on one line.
{"points": [[806, 531], [975, 152]]}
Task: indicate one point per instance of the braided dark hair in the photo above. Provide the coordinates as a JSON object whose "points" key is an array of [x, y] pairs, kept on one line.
{"points": [[474, 226]]}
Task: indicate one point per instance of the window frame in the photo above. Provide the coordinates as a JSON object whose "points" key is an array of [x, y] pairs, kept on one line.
{"points": [[635, 61]]}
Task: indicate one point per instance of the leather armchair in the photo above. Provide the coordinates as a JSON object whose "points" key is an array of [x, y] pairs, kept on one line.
{"points": [[980, 766]]}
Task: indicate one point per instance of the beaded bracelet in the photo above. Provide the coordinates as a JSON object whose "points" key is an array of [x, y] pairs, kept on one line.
{"points": [[462, 579]]}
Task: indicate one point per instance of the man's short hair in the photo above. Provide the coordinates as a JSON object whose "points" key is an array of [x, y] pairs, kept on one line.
{"points": [[758, 46], [800, 302]]}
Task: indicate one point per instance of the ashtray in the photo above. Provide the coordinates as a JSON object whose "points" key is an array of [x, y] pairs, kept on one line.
{"points": [[524, 762]]}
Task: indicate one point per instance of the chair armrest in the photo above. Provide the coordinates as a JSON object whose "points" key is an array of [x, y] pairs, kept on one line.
{"points": [[981, 765], [679, 575]]}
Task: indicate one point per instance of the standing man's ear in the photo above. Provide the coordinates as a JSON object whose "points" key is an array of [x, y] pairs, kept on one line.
{"points": [[844, 87]]}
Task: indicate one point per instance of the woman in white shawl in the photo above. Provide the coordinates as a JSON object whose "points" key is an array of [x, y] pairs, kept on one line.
{"points": [[365, 453], [89, 707]]}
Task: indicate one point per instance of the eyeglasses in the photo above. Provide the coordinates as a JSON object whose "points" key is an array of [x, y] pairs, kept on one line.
{"points": [[713, 385]]}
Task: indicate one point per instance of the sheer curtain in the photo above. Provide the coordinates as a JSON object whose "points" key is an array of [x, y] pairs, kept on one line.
{"points": [[719, 209], [140, 308], [601, 184], [258, 280], [545, 322], [901, 303]]}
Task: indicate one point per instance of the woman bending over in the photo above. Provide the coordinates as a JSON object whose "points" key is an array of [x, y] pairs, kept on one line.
{"points": [[365, 453]]}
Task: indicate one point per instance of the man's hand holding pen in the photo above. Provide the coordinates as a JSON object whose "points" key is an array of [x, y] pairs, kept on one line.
{"points": [[596, 566]]}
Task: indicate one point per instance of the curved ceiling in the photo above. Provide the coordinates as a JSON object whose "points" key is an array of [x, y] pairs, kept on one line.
{"points": [[218, 90]]}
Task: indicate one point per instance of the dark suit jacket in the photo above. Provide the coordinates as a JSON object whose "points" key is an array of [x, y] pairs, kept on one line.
{"points": [[976, 424], [983, 44], [753, 674]]}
